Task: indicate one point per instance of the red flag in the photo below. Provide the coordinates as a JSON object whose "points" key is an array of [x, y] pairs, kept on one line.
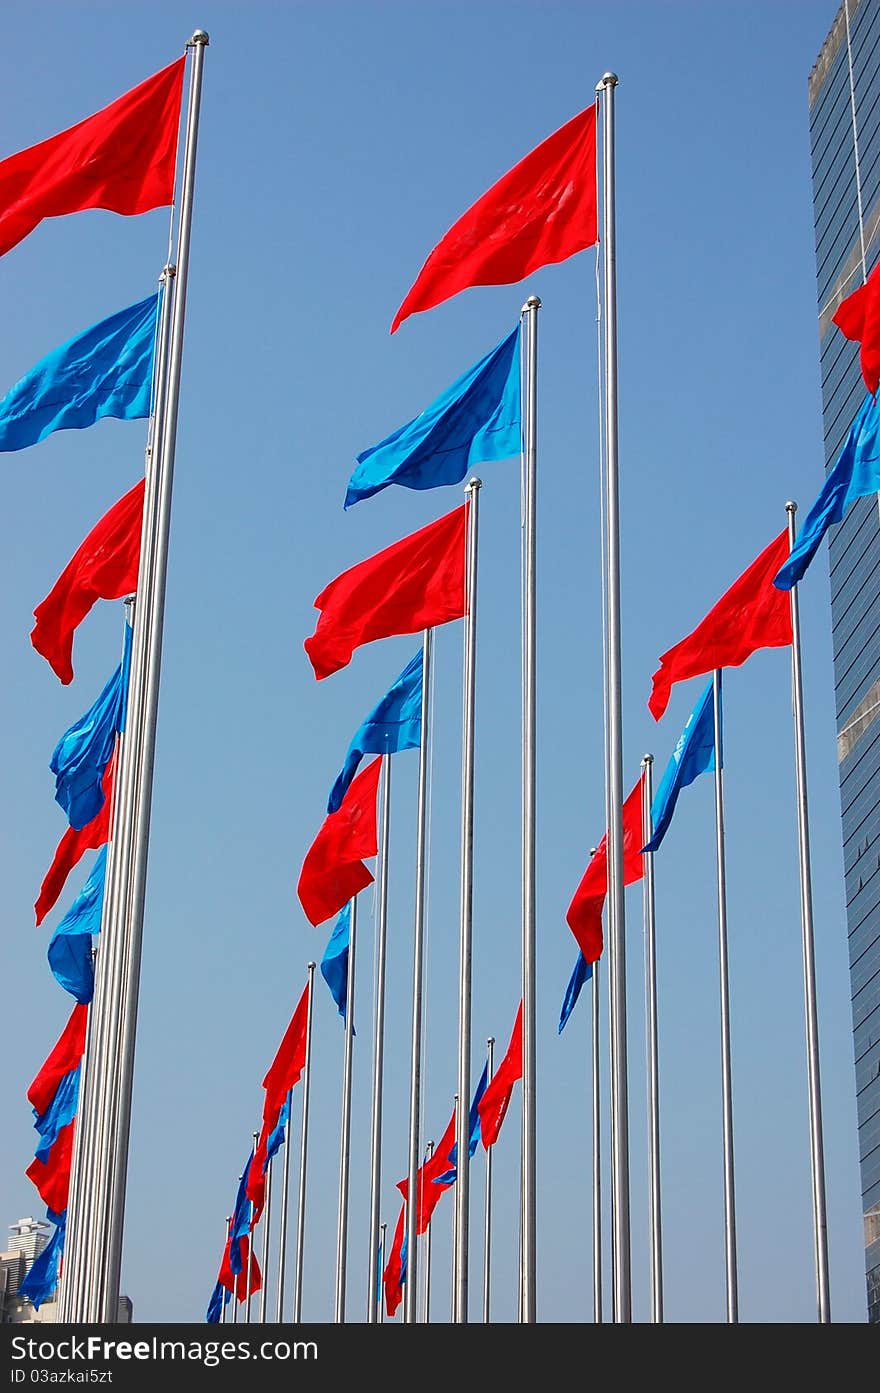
{"points": [[104, 567], [858, 317], [427, 1188], [392, 1276], [121, 159], [52, 1176], [73, 844], [333, 871], [752, 614], [237, 1282], [282, 1075], [414, 584], [584, 914], [492, 1107], [541, 211], [65, 1055]]}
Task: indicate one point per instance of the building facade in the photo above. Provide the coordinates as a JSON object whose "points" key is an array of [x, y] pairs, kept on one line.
{"points": [[27, 1239], [844, 103]]}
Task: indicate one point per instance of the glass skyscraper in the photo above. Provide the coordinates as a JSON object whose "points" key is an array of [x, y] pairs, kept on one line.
{"points": [[844, 100]]}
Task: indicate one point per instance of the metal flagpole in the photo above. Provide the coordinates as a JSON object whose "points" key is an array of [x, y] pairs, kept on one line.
{"points": [[250, 1261], [301, 1211], [429, 1152], [817, 1150], [529, 1146], [267, 1214], [151, 615], [345, 1128], [487, 1240], [651, 1032], [597, 1152], [411, 1286], [223, 1297], [622, 1288], [285, 1186], [462, 1182], [78, 1177], [379, 1041], [727, 1104]]}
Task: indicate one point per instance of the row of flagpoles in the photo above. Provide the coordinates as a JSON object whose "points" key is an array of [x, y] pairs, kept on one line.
{"points": [[417, 583]]}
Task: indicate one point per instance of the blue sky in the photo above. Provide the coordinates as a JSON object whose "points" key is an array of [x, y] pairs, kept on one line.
{"points": [[338, 142]]}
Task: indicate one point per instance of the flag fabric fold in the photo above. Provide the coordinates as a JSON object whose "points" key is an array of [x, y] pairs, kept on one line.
{"points": [[429, 1185], [235, 1279], [39, 1283], [52, 1175], [449, 1176], [494, 1103], [394, 724], [71, 847], [103, 567], [106, 370], [394, 1275], [334, 964], [82, 754], [333, 870], [64, 1056], [542, 211], [855, 475], [70, 947], [858, 318], [694, 754], [580, 973], [751, 614], [219, 1298], [121, 159], [282, 1075], [59, 1113], [584, 914], [416, 583], [476, 420]]}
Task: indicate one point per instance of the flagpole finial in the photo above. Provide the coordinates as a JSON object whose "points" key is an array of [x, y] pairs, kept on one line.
{"points": [[607, 80], [473, 484], [200, 37], [790, 507], [647, 759], [532, 303]]}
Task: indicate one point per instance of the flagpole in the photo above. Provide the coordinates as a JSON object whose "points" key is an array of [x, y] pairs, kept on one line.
{"points": [[247, 1298], [462, 1183], [729, 1199], [817, 1149], [379, 1039], [301, 1209], [153, 619], [529, 1148], [454, 1228], [614, 754], [380, 1303], [78, 1177], [651, 1031], [282, 1238], [487, 1240], [597, 1151], [267, 1214], [411, 1291], [429, 1152], [345, 1129]]}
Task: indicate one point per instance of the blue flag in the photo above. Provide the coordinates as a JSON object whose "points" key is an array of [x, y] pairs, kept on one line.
{"points": [[241, 1218], [70, 947], [60, 1111], [855, 475], [448, 1177], [81, 756], [475, 421], [581, 973], [40, 1282], [394, 724], [693, 755], [334, 964], [219, 1297], [276, 1136], [107, 370]]}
